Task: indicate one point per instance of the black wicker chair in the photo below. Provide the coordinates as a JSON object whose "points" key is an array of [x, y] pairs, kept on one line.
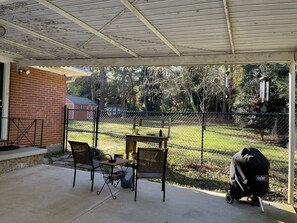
{"points": [[83, 158], [151, 163]]}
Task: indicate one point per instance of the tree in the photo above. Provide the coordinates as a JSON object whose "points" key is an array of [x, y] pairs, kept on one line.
{"points": [[85, 86], [102, 88], [248, 94], [201, 85], [175, 88], [248, 98], [134, 75], [95, 71], [123, 90]]}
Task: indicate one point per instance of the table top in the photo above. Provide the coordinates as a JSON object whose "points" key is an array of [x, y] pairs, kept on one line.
{"points": [[147, 137], [119, 161]]}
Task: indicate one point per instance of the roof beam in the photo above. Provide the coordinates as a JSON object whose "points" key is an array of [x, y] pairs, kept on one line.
{"points": [[150, 25], [4, 58], [47, 39], [106, 25], [12, 43], [11, 55], [229, 25], [85, 26], [249, 58]]}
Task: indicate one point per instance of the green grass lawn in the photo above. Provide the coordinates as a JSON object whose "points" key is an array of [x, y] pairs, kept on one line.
{"points": [[220, 143]]}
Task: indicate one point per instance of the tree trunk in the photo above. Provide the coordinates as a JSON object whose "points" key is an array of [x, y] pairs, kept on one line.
{"points": [[202, 101], [230, 90], [92, 83], [188, 93], [123, 98], [145, 80], [102, 88], [190, 96], [226, 89]]}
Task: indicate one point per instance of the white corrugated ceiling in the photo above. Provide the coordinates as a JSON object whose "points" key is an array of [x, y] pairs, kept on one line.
{"points": [[44, 32]]}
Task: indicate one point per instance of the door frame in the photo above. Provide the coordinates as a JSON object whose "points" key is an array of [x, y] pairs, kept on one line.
{"points": [[5, 98]]}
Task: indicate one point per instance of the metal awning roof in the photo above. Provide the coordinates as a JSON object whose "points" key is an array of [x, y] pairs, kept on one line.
{"points": [[153, 32], [148, 32]]}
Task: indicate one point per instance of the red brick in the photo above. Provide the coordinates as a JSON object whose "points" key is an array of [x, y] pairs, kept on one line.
{"points": [[39, 95]]}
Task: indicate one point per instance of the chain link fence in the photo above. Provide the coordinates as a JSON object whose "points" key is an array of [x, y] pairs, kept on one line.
{"points": [[80, 125], [200, 145]]}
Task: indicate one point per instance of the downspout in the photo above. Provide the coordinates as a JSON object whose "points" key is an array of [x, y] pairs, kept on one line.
{"points": [[292, 130]]}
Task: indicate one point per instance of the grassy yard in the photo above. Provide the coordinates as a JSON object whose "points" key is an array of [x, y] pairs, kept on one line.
{"points": [[220, 143]]}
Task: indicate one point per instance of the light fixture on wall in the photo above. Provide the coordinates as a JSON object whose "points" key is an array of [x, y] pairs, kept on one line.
{"points": [[22, 71], [2, 31]]}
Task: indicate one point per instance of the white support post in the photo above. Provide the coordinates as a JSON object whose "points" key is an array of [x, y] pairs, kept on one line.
{"points": [[292, 131], [5, 101]]}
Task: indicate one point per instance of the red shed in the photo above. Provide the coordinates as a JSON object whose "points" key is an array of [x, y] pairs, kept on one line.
{"points": [[80, 108]]}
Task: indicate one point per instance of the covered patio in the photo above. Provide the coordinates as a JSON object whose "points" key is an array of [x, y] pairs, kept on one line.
{"points": [[148, 33], [44, 194]]}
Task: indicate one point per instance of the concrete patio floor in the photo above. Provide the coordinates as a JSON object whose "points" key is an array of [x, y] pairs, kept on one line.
{"points": [[44, 194]]}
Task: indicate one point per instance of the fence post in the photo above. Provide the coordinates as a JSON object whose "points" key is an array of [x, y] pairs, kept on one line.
{"points": [[134, 124], [169, 126], [97, 126], [202, 138], [65, 128], [94, 128]]}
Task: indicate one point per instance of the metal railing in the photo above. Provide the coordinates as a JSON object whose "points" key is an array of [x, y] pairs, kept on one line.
{"points": [[25, 131]]}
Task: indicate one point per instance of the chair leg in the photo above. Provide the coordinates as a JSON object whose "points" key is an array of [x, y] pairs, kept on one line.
{"points": [[164, 194], [92, 177], [163, 189], [135, 189], [74, 176]]}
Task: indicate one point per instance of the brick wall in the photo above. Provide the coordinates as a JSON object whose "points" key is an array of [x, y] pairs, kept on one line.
{"points": [[39, 95]]}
